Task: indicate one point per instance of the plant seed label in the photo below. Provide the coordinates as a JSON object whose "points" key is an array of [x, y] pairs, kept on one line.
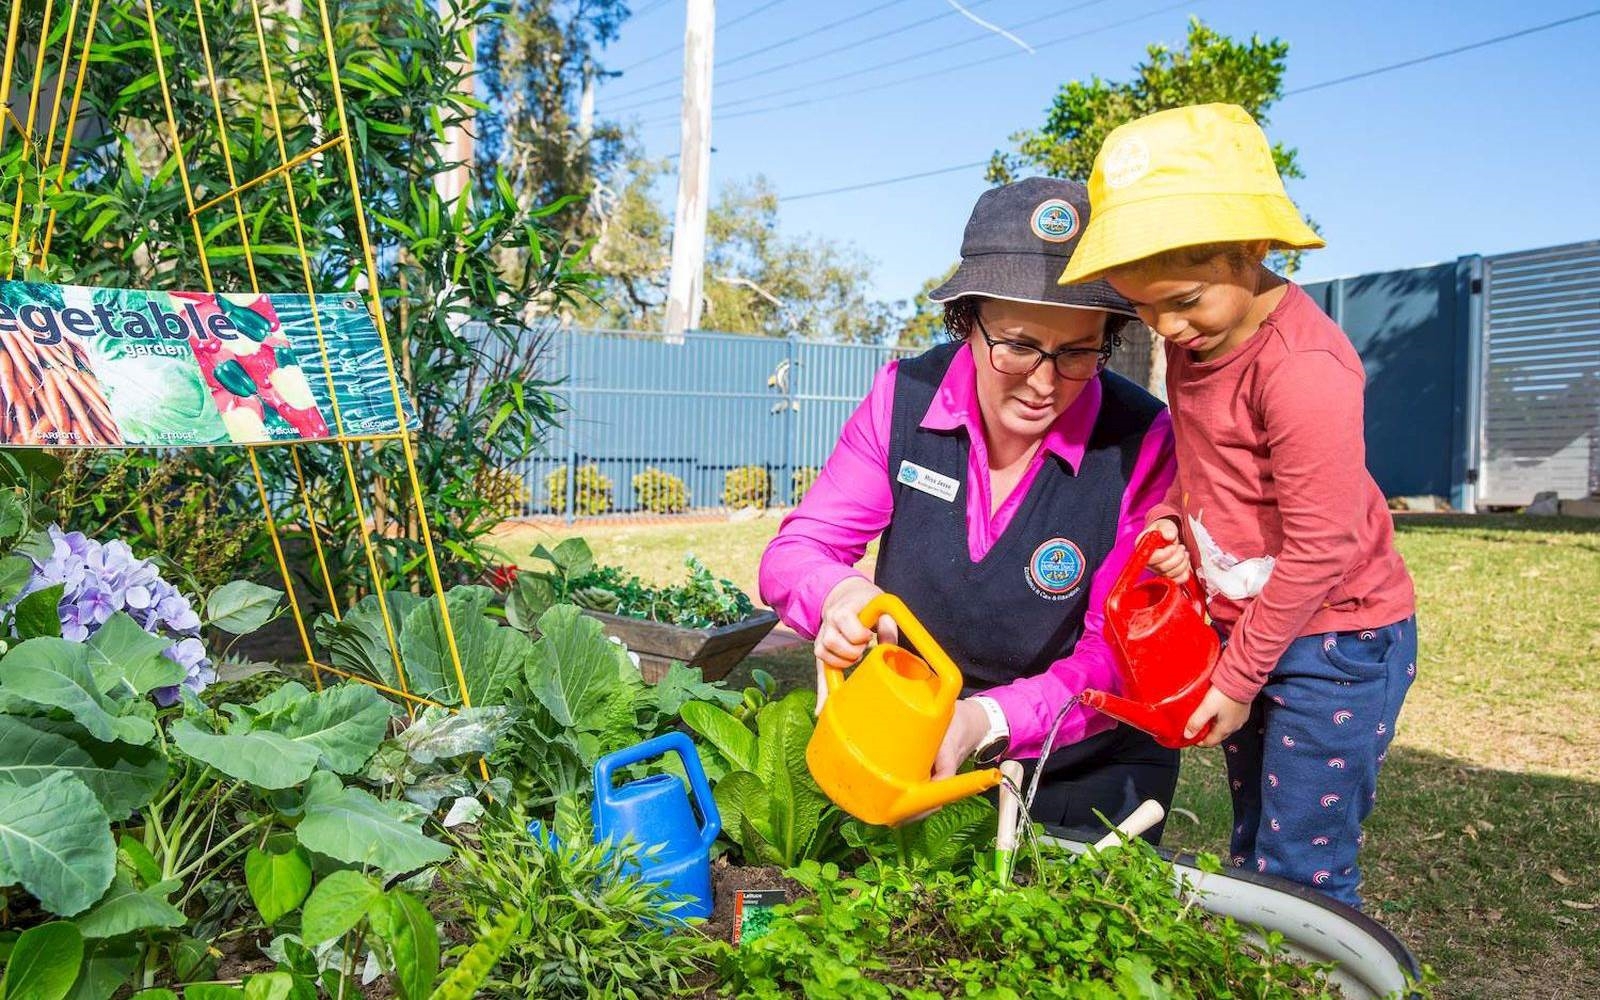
{"points": [[1056, 569], [932, 483], [753, 912]]}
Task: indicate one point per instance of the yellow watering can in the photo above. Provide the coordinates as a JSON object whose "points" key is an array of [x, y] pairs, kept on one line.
{"points": [[879, 731]]}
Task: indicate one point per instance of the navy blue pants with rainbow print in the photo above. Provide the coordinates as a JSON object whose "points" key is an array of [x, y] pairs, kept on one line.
{"points": [[1303, 770]]}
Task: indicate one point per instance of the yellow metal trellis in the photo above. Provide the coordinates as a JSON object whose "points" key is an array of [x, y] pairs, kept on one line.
{"points": [[40, 151]]}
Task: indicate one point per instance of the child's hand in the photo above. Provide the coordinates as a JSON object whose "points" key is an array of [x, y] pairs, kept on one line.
{"points": [[1224, 714], [1170, 560]]}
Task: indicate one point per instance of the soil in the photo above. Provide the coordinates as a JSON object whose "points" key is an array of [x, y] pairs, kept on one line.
{"points": [[726, 880]]}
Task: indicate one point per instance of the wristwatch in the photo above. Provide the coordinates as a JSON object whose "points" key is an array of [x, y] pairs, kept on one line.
{"points": [[998, 736]]}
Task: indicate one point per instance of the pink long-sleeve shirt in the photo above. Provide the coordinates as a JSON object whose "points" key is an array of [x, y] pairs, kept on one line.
{"points": [[1282, 519], [852, 501]]}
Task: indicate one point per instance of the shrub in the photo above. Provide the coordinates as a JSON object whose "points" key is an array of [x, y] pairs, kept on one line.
{"points": [[801, 483], [504, 491], [593, 494], [747, 486], [660, 492]]}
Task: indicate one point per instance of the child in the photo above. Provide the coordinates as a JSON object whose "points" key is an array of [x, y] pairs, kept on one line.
{"points": [[1273, 501]]}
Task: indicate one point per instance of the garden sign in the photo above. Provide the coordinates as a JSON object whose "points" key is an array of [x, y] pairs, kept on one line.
{"points": [[113, 367]]}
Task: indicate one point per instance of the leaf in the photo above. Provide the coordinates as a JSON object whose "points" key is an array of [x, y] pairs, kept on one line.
{"points": [[122, 777], [337, 904], [358, 643], [343, 723], [268, 986], [732, 739], [349, 825], [15, 572], [441, 735], [241, 607], [954, 831], [412, 935], [55, 841], [212, 991], [39, 614], [126, 908], [122, 652], [531, 596], [55, 673], [682, 684], [573, 665], [107, 965], [784, 729], [44, 962], [740, 797], [491, 657], [277, 882], [261, 757]]}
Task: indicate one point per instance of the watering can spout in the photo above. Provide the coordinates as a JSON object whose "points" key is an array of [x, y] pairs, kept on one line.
{"points": [[1162, 722], [932, 795]]}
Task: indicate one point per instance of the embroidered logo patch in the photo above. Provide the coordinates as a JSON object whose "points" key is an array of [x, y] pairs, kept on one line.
{"points": [[1126, 162], [1055, 569], [1055, 220]]}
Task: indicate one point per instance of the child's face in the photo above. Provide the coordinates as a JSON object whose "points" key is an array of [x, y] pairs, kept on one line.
{"points": [[1201, 307]]}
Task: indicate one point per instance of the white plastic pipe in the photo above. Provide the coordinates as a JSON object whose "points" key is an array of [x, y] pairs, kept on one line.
{"points": [[1141, 819]]}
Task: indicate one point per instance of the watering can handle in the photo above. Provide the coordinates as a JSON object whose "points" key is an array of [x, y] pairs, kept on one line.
{"points": [[888, 604], [675, 742], [1135, 566]]}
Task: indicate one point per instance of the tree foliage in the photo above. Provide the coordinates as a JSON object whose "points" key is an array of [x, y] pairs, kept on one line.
{"points": [[455, 314], [758, 280]]}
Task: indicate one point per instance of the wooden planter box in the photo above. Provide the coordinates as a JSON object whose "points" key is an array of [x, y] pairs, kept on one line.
{"points": [[715, 651]]}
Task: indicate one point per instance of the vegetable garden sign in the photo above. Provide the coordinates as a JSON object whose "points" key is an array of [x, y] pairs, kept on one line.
{"points": [[114, 367]]}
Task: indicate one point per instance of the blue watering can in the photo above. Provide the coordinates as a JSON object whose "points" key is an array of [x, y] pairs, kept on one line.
{"points": [[655, 811]]}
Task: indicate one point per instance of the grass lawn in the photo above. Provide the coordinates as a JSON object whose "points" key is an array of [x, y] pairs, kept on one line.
{"points": [[1484, 851]]}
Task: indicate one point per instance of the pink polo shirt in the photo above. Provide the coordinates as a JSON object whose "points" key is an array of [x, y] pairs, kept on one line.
{"points": [[852, 501]]}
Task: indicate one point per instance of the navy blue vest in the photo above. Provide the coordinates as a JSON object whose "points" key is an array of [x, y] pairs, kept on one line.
{"points": [[1012, 613]]}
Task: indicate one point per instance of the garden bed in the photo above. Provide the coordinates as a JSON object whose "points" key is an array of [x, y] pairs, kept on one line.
{"points": [[712, 651]]}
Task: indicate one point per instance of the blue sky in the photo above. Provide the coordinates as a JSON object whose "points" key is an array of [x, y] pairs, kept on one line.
{"points": [[1490, 150]]}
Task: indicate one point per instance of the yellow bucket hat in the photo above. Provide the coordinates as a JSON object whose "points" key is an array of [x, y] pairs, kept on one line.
{"points": [[1181, 178]]}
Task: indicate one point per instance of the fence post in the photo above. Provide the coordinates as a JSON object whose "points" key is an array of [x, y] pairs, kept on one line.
{"points": [[572, 432], [791, 415]]}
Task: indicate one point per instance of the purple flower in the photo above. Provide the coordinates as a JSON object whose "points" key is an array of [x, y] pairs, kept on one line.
{"points": [[98, 580]]}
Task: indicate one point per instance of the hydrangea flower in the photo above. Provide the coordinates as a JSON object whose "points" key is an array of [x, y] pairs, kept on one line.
{"points": [[102, 579]]}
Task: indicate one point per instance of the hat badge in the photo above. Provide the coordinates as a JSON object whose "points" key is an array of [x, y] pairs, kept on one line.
{"points": [[1126, 162], [1055, 220]]}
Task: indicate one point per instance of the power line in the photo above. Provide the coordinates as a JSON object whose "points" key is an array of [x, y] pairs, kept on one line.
{"points": [[647, 8], [1288, 93], [923, 54], [890, 180], [1442, 54], [721, 64], [679, 47], [947, 70]]}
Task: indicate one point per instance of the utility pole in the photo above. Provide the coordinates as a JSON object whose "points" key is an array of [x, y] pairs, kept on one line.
{"points": [[684, 293]]}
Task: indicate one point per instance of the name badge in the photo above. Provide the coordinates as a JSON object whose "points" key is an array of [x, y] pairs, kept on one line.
{"points": [[928, 481]]}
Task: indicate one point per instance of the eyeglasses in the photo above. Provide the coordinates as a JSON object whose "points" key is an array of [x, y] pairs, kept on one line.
{"points": [[1076, 364]]}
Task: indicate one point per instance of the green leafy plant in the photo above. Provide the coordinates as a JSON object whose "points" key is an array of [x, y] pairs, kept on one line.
{"points": [[771, 806], [747, 486], [474, 966], [701, 601], [582, 697], [584, 929], [1107, 926], [801, 481], [591, 492], [43, 963], [660, 492], [949, 839]]}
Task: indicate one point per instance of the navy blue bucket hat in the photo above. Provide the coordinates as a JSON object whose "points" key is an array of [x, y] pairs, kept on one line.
{"points": [[1019, 239]]}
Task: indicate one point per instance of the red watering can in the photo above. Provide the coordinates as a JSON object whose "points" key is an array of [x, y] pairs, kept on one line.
{"points": [[1165, 650]]}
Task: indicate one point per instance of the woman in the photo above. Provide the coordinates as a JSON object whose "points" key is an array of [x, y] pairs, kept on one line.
{"points": [[1007, 474]]}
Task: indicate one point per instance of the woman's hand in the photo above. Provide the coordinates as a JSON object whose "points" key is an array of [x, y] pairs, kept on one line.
{"points": [[967, 729], [1172, 559], [1224, 714], [841, 638]]}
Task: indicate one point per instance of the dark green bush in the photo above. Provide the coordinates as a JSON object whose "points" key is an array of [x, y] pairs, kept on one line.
{"points": [[801, 482]]}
